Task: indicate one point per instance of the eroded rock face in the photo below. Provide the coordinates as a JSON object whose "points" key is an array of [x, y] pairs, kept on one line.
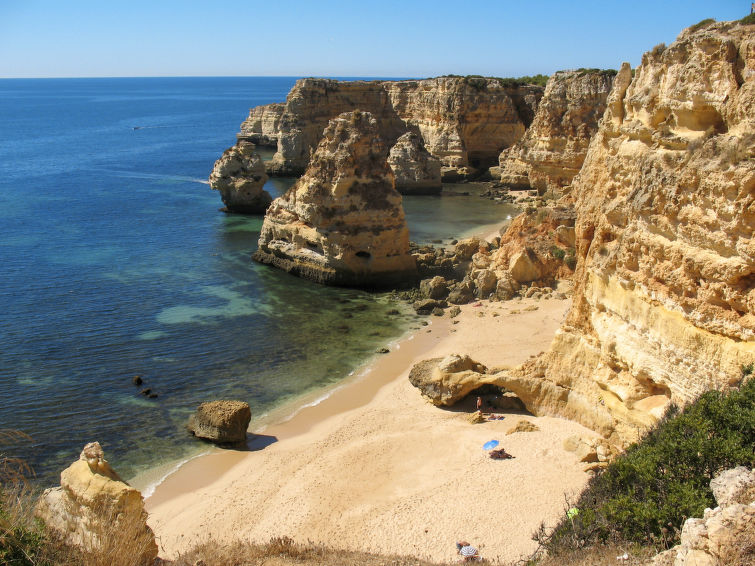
{"points": [[723, 535], [222, 422], [262, 125], [342, 223], [463, 122], [553, 148], [416, 171], [239, 175], [93, 508], [664, 301]]}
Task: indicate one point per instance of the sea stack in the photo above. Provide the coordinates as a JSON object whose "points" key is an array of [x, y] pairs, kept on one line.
{"points": [[416, 171], [342, 223], [239, 175]]}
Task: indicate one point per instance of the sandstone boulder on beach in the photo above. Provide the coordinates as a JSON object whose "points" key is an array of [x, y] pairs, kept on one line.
{"points": [[445, 381], [523, 426], [94, 509], [724, 535], [416, 171], [239, 175], [342, 223], [222, 422]]}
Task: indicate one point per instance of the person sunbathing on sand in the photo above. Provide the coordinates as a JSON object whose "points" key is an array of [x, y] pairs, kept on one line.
{"points": [[468, 552]]}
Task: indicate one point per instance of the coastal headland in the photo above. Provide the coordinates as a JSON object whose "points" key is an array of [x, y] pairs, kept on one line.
{"points": [[629, 289]]}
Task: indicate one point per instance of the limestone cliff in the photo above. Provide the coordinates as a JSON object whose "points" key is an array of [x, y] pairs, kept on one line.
{"points": [[553, 148], [463, 121], [94, 509], [416, 171], [664, 242], [239, 176], [664, 301], [342, 223], [261, 127]]}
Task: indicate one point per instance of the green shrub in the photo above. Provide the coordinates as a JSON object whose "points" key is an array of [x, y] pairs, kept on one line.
{"points": [[747, 20], [570, 259], [646, 494], [701, 24], [557, 252]]}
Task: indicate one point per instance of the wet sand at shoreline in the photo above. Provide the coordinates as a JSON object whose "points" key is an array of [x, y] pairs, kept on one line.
{"points": [[375, 467]]}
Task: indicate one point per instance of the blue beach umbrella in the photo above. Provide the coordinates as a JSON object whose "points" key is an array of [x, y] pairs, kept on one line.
{"points": [[490, 444]]}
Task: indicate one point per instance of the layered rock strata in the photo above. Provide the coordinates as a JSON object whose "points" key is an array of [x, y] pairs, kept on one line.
{"points": [[553, 148], [94, 509], [664, 300], [262, 125], [239, 175], [465, 122], [664, 285], [342, 223], [415, 170]]}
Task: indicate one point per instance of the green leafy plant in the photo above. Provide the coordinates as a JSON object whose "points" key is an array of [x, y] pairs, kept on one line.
{"points": [[646, 494]]}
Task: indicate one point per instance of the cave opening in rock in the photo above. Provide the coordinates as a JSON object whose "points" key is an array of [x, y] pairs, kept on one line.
{"points": [[363, 255], [495, 398]]}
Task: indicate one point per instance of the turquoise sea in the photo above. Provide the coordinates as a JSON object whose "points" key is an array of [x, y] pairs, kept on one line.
{"points": [[115, 262]]}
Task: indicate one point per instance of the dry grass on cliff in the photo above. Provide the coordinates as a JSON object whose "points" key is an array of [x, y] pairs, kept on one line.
{"points": [[285, 552]]}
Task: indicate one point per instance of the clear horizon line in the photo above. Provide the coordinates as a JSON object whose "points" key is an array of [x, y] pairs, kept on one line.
{"points": [[219, 77]]}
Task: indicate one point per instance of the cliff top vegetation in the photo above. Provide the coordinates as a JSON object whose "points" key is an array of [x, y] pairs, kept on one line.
{"points": [[645, 495]]}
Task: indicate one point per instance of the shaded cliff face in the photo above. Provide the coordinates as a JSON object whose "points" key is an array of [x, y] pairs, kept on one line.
{"points": [[463, 122], [553, 149], [342, 223], [664, 301]]}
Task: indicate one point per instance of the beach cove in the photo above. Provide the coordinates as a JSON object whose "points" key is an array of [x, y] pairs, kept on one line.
{"points": [[375, 467]]}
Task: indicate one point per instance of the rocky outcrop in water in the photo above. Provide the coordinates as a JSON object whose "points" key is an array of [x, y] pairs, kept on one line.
{"points": [[724, 535], [239, 175], [415, 170], [222, 422], [465, 122], [342, 223], [552, 150], [93, 508]]}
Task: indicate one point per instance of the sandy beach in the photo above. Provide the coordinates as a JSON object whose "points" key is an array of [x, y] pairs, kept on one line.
{"points": [[375, 467]]}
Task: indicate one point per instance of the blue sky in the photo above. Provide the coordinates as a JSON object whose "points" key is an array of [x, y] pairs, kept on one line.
{"points": [[389, 38]]}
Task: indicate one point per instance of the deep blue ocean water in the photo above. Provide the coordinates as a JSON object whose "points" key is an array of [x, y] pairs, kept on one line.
{"points": [[116, 262]]}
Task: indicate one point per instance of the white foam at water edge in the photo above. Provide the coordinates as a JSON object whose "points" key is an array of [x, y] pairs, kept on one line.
{"points": [[314, 403], [150, 489]]}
